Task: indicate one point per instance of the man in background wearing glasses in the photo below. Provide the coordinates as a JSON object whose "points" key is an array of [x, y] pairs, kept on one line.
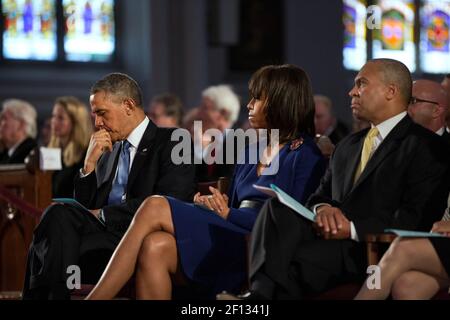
{"points": [[428, 106]]}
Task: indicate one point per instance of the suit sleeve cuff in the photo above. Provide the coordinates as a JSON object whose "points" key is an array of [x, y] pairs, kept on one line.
{"points": [[353, 233]]}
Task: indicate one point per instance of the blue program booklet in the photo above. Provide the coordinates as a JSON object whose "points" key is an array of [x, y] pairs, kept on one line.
{"points": [[76, 204], [414, 234], [72, 202], [287, 200]]}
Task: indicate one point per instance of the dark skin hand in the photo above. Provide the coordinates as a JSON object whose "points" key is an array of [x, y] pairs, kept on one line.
{"points": [[331, 223]]}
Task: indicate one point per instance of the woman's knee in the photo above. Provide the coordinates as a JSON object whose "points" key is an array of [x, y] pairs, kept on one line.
{"points": [[404, 287], [156, 247], [152, 207]]}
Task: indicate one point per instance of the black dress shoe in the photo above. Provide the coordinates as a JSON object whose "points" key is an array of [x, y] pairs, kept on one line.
{"points": [[249, 295]]}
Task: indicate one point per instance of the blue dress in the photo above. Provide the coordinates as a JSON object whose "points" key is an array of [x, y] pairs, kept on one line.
{"points": [[212, 250]]}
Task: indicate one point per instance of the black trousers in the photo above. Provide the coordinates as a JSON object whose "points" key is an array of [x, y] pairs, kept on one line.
{"points": [[66, 237], [285, 250]]}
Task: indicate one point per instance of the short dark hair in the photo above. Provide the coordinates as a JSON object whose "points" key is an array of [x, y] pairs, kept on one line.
{"points": [[119, 85], [172, 105], [397, 73], [289, 99]]}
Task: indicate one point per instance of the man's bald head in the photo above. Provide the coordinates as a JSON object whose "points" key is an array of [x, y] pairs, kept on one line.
{"points": [[430, 90], [396, 73], [429, 104]]}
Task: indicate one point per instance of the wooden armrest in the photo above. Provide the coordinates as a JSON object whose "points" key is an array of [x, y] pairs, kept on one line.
{"points": [[380, 237], [373, 240]]}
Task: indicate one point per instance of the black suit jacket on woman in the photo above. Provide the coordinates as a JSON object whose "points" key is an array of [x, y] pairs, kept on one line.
{"points": [[152, 173], [404, 185]]}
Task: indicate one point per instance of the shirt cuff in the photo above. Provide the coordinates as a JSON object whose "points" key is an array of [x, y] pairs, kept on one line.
{"points": [[82, 175], [316, 206], [101, 216], [353, 233]]}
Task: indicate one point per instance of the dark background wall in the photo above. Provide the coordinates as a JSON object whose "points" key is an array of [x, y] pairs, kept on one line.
{"points": [[184, 45]]}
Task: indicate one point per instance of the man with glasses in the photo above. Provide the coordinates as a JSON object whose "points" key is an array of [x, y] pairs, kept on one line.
{"points": [[446, 84], [428, 106]]}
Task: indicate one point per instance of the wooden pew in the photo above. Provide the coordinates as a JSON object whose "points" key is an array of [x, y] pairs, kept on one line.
{"points": [[25, 192]]}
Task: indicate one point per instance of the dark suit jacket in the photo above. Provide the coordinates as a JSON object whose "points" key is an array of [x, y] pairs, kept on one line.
{"points": [[404, 185], [339, 133], [21, 152], [152, 173], [62, 180], [446, 136]]}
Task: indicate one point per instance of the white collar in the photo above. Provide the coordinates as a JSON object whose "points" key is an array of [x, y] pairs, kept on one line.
{"points": [[441, 131], [14, 147], [387, 125], [136, 135]]}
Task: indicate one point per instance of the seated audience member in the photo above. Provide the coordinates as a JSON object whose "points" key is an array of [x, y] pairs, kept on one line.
{"points": [[366, 189], [446, 84], [71, 129], [45, 132], [166, 111], [428, 106], [413, 268], [325, 122], [17, 130], [219, 110], [208, 245], [128, 159]]}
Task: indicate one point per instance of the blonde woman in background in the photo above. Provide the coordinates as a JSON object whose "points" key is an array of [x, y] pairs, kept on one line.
{"points": [[71, 129]]}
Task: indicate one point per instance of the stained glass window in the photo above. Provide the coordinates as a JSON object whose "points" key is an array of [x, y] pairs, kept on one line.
{"points": [[355, 46], [89, 30], [395, 38], [29, 29], [434, 36]]}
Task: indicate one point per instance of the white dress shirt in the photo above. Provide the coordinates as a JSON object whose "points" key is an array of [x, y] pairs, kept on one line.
{"points": [[384, 129], [441, 131]]}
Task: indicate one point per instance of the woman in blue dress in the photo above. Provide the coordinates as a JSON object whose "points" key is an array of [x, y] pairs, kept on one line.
{"points": [[205, 241]]}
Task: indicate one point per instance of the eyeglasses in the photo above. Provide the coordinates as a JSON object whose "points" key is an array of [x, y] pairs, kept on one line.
{"points": [[415, 100]]}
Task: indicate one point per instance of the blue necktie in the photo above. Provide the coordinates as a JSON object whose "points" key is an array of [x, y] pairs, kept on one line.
{"points": [[119, 186]]}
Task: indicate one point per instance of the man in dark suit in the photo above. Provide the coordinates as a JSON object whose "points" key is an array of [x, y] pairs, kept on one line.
{"points": [[325, 121], [128, 159], [429, 107], [446, 84], [17, 130], [394, 175]]}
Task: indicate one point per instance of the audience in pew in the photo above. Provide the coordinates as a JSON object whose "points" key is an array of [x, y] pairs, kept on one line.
{"points": [[45, 132], [18, 130], [128, 159], [394, 175], [166, 111], [428, 106], [205, 241], [326, 123], [219, 110], [71, 129], [413, 268]]}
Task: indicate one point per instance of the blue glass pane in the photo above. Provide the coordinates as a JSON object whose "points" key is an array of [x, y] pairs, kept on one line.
{"points": [[30, 29], [89, 30], [434, 36]]}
